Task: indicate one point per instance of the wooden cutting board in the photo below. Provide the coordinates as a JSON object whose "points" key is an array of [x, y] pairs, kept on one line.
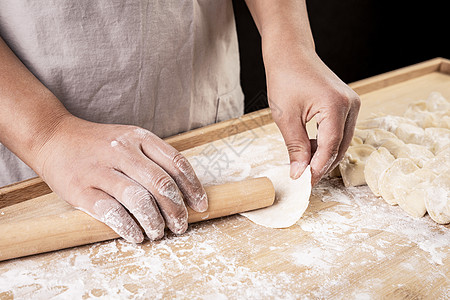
{"points": [[349, 244], [62, 226]]}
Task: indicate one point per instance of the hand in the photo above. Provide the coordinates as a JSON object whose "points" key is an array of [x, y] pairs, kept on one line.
{"points": [[117, 172], [300, 86]]}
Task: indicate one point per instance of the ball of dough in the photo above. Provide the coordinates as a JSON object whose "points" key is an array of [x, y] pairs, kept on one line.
{"points": [[376, 164]]}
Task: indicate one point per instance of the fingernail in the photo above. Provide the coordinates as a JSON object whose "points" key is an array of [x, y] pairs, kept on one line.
{"points": [[156, 233], [297, 169], [179, 225], [172, 192], [129, 232], [202, 203]]}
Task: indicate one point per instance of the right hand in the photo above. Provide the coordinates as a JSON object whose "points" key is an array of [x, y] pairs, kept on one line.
{"points": [[114, 172]]}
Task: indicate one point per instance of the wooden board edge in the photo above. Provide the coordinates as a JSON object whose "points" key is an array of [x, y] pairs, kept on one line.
{"points": [[22, 191], [35, 187], [213, 132], [445, 66], [400, 75]]}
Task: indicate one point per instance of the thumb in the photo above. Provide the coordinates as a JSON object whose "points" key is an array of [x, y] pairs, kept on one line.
{"points": [[298, 146]]}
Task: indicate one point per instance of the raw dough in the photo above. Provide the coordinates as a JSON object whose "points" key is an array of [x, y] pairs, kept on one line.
{"points": [[388, 123], [376, 137], [411, 134], [352, 165], [437, 199], [291, 199], [394, 146], [438, 137], [417, 153], [396, 175], [411, 167], [376, 164], [356, 141], [411, 194]]}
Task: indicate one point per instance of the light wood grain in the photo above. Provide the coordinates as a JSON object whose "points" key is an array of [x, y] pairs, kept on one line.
{"points": [[47, 223], [248, 261], [435, 67]]}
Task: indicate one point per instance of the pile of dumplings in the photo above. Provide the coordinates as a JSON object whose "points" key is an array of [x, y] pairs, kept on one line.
{"points": [[405, 159]]}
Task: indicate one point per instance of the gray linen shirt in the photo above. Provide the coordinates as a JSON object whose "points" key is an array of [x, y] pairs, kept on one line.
{"points": [[167, 66]]}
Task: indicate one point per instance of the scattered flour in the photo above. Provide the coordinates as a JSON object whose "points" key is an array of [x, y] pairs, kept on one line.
{"points": [[228, 258]]}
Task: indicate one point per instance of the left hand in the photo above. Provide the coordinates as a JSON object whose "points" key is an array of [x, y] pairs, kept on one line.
{"points": [[300, 86]]}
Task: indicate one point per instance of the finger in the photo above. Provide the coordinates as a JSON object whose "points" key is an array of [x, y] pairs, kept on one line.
{"points": [[329, 137], [139, 202], [349, 129], [179, 168], [298, 145], [154, 179], [106, 209]]}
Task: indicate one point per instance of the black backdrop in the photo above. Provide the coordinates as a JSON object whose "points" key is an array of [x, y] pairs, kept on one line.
{"points": [[355, 38]]}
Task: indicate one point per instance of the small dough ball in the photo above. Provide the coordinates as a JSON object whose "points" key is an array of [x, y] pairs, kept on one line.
{"points": [[388, 123], [410, 134], [437, 199], [376, 164], [377, 136], [352, 165], [394, 176]]}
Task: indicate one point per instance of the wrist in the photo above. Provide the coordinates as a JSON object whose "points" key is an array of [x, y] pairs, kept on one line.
{"points": [[283, 48], [48, 134]]}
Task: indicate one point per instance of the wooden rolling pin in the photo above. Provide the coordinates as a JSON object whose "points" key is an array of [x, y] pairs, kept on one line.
{"points": [[48, 223]]}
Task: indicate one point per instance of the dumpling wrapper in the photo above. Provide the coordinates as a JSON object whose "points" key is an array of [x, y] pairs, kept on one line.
{"points": [[291, 199]]}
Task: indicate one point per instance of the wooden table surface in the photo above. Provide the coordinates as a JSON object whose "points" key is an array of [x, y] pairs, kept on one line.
{"points": [[349, 244]]}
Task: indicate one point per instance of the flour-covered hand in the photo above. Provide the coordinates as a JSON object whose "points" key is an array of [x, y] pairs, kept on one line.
{"points": [[301, 86], [122, 176]]}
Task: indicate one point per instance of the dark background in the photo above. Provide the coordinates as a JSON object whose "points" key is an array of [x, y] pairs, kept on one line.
{"points": [[355, 38]]}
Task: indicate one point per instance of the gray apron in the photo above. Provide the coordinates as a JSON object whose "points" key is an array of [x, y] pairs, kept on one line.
{"points": [[167, 66]]}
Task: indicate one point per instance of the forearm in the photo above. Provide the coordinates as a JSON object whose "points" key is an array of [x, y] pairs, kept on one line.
{"points": [[283, 25], [29, 112], [301, 87]]}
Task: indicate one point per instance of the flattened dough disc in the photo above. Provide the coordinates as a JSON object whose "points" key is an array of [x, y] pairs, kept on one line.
{"points": [[291, 199]]}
